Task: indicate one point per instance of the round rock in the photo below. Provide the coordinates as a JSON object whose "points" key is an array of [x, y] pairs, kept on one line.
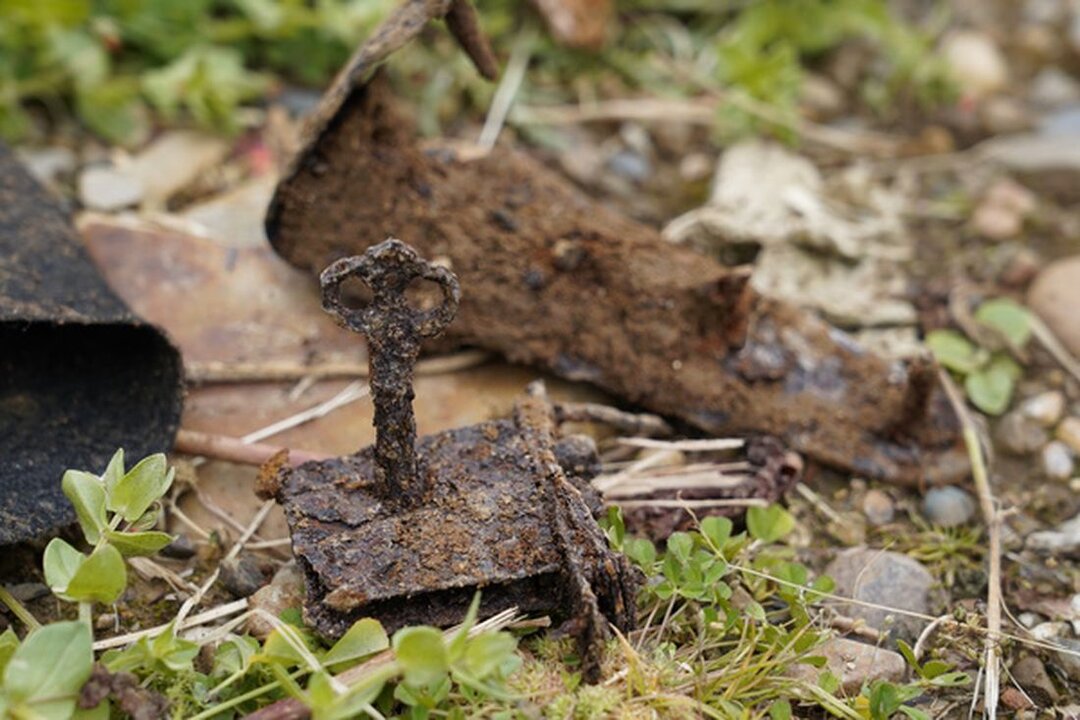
{"points": [[976, 62], [1068, 432], [1057, 461], [888, 579], [853, 663], [1018, 434], [878, 508], [948, 506], [1045, 408], [1055, 295], [108, 189]]}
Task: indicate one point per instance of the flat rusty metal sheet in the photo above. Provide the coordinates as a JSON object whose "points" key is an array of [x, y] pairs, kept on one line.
{"points": [[80, 375]]}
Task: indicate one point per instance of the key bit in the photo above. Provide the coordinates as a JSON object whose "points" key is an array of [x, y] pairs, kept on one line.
{"points": [[394, 331]]}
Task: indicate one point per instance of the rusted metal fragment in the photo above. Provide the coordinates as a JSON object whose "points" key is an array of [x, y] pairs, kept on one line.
{"points": [[557, 280], [407, 531], [80, 375]]}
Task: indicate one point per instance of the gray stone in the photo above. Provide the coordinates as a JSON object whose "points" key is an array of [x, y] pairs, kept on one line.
{"points": [[853, 663], [1030, 673], [242, 576], [236, 218], [29, 591], [1056, 460], [1052, 88], [108, 189], [878, 508], [181, 548], [883, 578], [1062, 123], [1048, 164], [1045, 408], [1017, 434], [948, 507], [1068, 661], [285, 591], [1062, 540]]}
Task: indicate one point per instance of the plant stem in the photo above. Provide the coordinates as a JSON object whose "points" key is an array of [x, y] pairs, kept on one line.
{"points": [[86, 615], [19, 610]]}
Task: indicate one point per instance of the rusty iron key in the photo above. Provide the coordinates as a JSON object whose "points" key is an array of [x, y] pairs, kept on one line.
{"points": [[394, 330]]}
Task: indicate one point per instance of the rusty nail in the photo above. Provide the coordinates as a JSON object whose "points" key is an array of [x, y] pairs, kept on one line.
{"points": [[394, 331]]}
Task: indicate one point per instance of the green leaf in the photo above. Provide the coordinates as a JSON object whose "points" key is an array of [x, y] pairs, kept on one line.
{"points": [[679, 546], [955, 351], [45, 674], [487, 652], [456, 647], [421, 652], [641, 551], [365, 637], [102, 577], [9, 643], [1007, 317], [769, 524], [991, 388], [140, 487], [717, 530], [115, 111], [234, 655], [60, 563], [780, 710], [172, 652], [132, 544], [86, 493], [114, 472], [284, 646]]}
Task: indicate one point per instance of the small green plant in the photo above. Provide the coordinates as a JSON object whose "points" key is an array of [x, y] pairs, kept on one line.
{"points": [[116, 511], [42, 675], [989, 375]]}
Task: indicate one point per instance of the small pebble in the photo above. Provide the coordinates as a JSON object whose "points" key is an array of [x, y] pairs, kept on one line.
{"points": [[242, 576], [105, 621], [1057, 461], [1029, 619], [1030, 673], [1053, 88], [1068, 661], [1045, 408], [878, 508], [181, 548], [630, 165], [884, 579], [285, 591], [976, 62], [948, 506], [29, 591], [1049, 631], [1068, 432], [108, 189], [854, 664], [1017, 434]]}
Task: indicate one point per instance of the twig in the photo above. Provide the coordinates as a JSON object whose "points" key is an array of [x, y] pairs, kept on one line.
{"points": [[992, 518], [924, 636], [820, 505], [18, 609], [229, 372], [222, 447], [719, 502], [507, 90], [636, 424], [707, 445], [194, 621], [1059, 352], [352, 392], [197, 597]]}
